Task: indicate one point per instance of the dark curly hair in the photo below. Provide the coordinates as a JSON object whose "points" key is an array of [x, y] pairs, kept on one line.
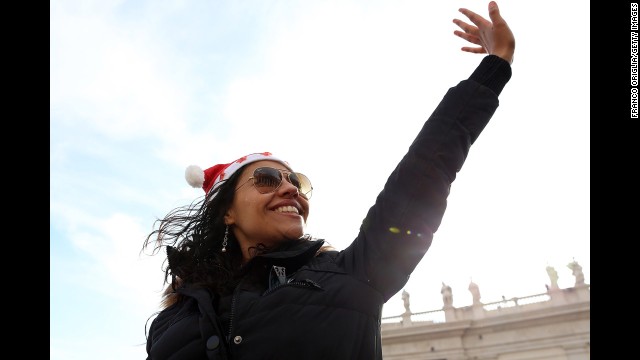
{"points": [[192, 235]]}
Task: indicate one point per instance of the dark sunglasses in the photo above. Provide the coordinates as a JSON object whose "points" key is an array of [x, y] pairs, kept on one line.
{"points": [[267, 180]]}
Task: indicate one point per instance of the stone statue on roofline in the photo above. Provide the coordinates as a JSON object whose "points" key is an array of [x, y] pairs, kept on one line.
{"points": [[405, 300], [447, 295], [553, 276], [475, 292], [577, 272]]}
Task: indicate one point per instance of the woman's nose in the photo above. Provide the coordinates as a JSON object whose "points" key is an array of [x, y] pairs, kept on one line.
{"points": [[287, 188]]}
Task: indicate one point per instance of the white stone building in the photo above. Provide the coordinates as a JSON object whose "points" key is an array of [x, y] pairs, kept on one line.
{"points": [[550, 326]]}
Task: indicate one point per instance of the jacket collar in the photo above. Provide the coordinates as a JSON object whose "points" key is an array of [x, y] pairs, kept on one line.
{"points": [[292, 254]]}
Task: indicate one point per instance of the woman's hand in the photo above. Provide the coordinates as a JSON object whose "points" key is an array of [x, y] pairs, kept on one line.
{"points": [[494, 37]]}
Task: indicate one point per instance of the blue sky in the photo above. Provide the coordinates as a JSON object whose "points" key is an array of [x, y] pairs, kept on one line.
{"points": [[140, 90]]}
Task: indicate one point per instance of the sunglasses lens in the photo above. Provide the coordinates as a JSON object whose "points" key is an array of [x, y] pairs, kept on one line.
{"points": [[303, 184], [266, 180], [293, 179]]}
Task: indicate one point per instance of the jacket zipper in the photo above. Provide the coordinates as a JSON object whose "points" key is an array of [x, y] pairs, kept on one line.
{"points": [[233, 310], [302, 283]]}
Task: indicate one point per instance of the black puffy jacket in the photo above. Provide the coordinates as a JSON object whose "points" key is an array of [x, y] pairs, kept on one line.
{"points": [[328, 305]]}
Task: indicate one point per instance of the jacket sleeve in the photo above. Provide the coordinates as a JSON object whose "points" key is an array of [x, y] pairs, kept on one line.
{"points": [[187, 329], [398, 229]]}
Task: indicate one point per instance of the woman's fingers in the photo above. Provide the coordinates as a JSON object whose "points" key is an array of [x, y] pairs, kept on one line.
{"points": [[470, 38], [478, 20], [466, 27]]}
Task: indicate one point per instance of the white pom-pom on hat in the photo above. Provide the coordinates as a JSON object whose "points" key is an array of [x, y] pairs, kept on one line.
{"points": [[194, 176]]}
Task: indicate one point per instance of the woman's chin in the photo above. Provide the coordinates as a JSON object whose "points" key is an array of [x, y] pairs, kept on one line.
{"points": [[294, 232]]}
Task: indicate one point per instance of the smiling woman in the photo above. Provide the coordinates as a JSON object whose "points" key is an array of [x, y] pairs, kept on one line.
{"points": [[244, 279]]}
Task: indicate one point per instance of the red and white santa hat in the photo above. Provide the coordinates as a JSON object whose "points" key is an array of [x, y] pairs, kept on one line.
{"points": [[212, 177]]}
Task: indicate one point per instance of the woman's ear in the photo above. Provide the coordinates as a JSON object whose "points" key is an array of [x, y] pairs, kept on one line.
{"points": [[229, 217]]}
